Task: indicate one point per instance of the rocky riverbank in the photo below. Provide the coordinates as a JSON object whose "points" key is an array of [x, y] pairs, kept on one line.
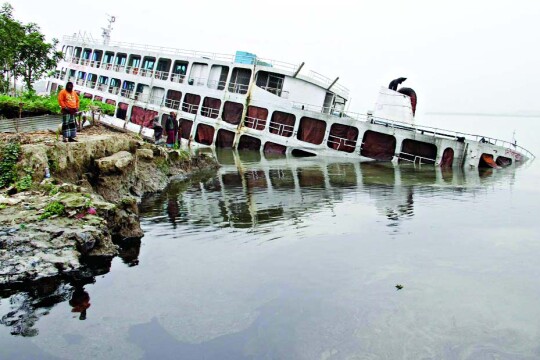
{"points": [[53, 226]]}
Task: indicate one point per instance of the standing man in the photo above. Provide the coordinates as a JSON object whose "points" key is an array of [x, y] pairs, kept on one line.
{"points": [[171, 127], [69, 103]]}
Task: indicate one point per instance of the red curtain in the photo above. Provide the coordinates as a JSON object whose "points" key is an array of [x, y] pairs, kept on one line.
{"points": [[191, 99], [343, 137], [378, 146], [257, 113], [211, 107], [311, 130], [232, 112], [98, 98], [111, 102], [185, 128], [273, 148], [280, 118], [447, 158], [142, 116], [225, 139], [205, 134]]}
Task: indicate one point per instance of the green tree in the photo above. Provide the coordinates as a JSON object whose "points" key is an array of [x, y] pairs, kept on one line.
{"points": [[23, 50]]}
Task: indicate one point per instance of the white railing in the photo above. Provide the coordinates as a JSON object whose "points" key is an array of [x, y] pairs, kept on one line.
{"points": [[114, 90], [161, 75], [216, 84], [90, 84], [281, 129], [178, 78], [118, 67], [147, 72], [172, 104], [254, 123], [277, 64], [238, 88], [340, 141], [327, 82], [126, 93], [209, 112], [197, 81], [102, 87], [80, 82], [108, 66], [415, 158], [190, 108]]}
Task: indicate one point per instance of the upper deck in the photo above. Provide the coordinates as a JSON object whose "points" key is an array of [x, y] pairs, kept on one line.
{"points": [[70, 43]]}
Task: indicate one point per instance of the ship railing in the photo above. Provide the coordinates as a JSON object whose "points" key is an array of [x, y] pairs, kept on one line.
{"points": [[327, 81], [254, 123], [126, 93], [161, 75], [172, 104], [90, 84], [329, 110], [341, 141], [209, 112], [147, 72], [216, 84], [454, 135], [119, 68], [190, 108], [156, 100], [276, 91], [178, 78], [102, 87], [108, 66], [238, 88], [197, 81], [281, 129], [71, 78], [277, 64], [134, 70], [416, 159], [80, 82], [139, 96], [114, 90], [158, 49], [75, 60]]}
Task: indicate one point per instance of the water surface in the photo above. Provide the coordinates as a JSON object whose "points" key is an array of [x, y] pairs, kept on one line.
{"points": [[281, 258]]}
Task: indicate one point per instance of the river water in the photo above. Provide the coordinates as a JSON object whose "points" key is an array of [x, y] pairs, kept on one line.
{"points": [[282, 258]]}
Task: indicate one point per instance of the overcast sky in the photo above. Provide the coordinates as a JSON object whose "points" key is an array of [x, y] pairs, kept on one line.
{"points": [[460, 55]]}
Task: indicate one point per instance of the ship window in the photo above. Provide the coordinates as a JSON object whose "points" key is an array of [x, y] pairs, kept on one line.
{"points": [[110, 102], [98, 98], [378, 146], [210, 107], [142, 116], [311, 130], [232, 112], [205, 134], [120, 60], [342, 138], [271, 82], [447, 159], [121, 111], [179, 71], [173, 99], [310, 177], [342, 175], [148, 63], [273, 148], [217, 79], [162, 69], [96, 57], [156, 96], [249, 143], [503, 161], [191, 103], [185, 128], [240, 79], [256, 117], [418, 152], [115, 86], [54, 87], [134, 61], [282, 123], [78, 52], [103, 80], [302, 153], [487, 161], [86, 54], [87, 95], [225, 139], [197, 74], [108, 58], [127, 88]]}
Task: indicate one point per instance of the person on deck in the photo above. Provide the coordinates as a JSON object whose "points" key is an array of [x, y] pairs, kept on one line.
{"points": [[158, 130], [171, 127], [69, 104]]}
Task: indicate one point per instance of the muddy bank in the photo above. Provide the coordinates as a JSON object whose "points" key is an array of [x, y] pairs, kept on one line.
{"points": [[54, 226]]}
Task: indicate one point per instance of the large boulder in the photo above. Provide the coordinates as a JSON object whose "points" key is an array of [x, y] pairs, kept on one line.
{"points": [[115, 163]]}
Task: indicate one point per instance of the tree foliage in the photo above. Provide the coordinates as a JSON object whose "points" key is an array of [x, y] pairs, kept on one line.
{"points": [[24, 52]]}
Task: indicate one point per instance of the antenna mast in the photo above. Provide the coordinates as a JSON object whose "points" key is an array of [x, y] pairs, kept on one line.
{"points": [[106, 34]]}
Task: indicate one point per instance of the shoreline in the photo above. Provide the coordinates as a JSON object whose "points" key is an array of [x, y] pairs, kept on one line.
{"points": [[88, 207]]}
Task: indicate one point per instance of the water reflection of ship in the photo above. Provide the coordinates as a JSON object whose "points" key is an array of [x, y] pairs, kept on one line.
{"points": [[251, 189]]}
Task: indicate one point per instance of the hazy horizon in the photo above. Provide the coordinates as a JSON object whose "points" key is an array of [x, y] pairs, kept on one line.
{"points": [[465, 57]]}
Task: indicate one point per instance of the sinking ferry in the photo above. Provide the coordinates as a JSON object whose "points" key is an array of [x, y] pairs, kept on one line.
{"points": [[247, 103]]}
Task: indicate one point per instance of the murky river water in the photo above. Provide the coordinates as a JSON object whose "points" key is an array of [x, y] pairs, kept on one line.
{"points": [[299, 259]]}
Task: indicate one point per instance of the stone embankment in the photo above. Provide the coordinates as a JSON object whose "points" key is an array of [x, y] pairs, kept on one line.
{"points": [[87, 206]]}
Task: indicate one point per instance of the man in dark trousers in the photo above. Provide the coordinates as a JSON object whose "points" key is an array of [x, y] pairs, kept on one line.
{"points": [[69, 104], [171, 128]]}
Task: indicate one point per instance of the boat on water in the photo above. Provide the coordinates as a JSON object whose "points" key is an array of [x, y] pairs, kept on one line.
{"points": [[245, 102]]}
